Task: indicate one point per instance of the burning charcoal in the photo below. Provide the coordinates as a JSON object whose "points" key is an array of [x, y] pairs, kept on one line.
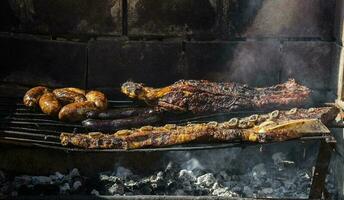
{"points": [[206, 180], [59, 175], [117, 188], [74, 173], [157, 181], [22, 180], [65, 188], [94, 192], [123, 172], [171, 185], [223, 176], [41, 180], [224, 192], [144, 187], [186, 175], [179, 192], [237, 189], [76, 185], [106, 178]]}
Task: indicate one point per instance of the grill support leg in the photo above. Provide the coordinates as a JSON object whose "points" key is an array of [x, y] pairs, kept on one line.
{"points": [[321, 168]]}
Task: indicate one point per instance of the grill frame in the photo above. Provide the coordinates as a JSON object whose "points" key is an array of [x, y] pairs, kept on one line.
{"points": [[21, 126], [17, 115]]}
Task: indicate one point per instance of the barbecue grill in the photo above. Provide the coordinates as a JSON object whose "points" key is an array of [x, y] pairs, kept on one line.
{"points": [[101, 44], [24, 127]]}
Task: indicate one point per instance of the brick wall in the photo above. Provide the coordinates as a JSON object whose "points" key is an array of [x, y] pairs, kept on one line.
{"points": [[100, 44]]}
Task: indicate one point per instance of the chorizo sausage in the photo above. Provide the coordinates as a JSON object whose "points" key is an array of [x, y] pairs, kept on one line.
{"points": [[49, 104], [120, 113], [116, 124], [32, 96], [77, 111], [98, 98], [70, 95]]}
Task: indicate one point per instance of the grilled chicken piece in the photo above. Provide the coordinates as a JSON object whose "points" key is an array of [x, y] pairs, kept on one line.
{"points": [[205, 96], [275, 126], [32, 96], [49, 104]]}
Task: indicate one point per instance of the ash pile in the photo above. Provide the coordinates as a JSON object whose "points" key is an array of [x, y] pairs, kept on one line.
{"points": [[280, 171], [54, 184], [236, 172]]}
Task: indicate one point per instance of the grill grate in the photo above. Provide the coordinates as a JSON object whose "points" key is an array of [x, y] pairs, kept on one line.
{"points": [[22, 126]]}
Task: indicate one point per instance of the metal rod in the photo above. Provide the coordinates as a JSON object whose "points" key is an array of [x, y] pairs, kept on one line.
{"points": [[321, 167], [29, 134], [30, 140], [32, 130], [44, 124]]}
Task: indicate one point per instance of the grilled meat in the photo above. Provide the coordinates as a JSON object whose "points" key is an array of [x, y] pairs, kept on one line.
{"points": [[69, 95], [49, 104], [98, 99], [116, 124], [205, 96], [120, 113], [77, 111], [32, 96], [77, 102], [275, 126]]}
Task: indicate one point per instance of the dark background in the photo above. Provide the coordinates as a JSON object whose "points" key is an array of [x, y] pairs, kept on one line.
{"points": [[100, 44]]}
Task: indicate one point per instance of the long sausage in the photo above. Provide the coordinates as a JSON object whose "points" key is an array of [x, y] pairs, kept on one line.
{"points": [[70, 95], [120, 113], [116, 124], [76, 111], [49, 104], [98, 98], [31, 97]]}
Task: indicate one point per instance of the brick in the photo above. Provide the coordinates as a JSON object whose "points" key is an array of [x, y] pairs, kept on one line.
{"points": [[113, 62], [311, 63], [253, 63], [68, 17], [281, 18], [31, 62], [228, 19], [173, 17]]}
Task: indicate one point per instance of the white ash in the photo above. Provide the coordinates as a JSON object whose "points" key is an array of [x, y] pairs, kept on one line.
{"points": [[278, 172], [56, 183]]}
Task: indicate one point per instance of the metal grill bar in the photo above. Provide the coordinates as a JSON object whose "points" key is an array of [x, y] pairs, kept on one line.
{"points": [[22, 126]]}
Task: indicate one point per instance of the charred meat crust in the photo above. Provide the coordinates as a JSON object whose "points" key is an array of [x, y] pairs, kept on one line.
{"points": [[32, 96], [170, 134], [200, 96]]}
